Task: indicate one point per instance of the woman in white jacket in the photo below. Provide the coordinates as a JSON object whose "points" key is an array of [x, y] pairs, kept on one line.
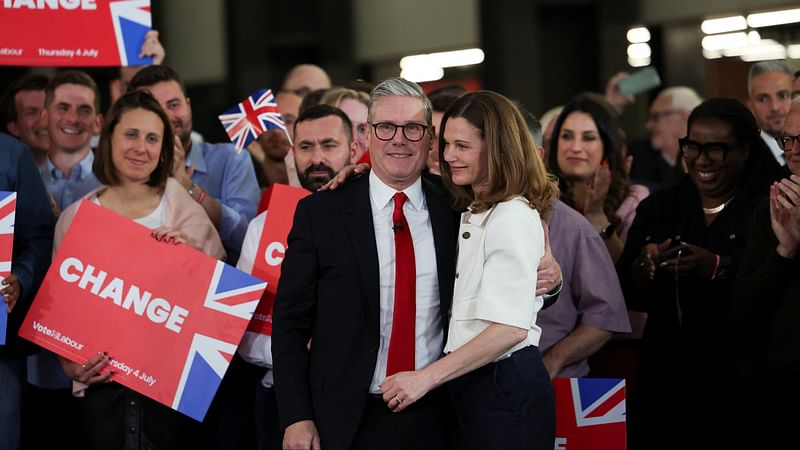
{"points": [[499, 386]]}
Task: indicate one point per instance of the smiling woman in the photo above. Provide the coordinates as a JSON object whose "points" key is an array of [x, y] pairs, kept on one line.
{"points": [[687, 292], [134, 160]]}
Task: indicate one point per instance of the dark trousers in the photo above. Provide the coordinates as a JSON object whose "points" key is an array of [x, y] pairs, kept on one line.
{"points": [[423, 425], [509, 404]]}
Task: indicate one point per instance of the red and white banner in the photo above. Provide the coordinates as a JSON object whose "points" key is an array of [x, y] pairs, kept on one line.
{"points": [[590, 413], [73, 32], [8, 210], [170, 316], [282, 202]]}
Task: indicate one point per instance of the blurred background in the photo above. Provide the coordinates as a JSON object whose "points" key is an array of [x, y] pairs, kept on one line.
{"points": [[540, 52]]}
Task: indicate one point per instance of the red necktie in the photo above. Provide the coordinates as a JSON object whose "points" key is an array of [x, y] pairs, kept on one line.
{"points": [[401, 345]]}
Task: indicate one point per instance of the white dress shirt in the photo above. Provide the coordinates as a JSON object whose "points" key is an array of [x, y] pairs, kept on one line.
{"points": [[498, 255], [255, 348], [776, 150], [429, 331]]}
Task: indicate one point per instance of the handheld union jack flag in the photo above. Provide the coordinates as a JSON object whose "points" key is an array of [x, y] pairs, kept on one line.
{"points": [[8, 208], [590, 413], [256, 114]]}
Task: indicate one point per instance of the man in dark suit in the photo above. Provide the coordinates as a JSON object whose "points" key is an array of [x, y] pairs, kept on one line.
{"points": [[337, 290]]}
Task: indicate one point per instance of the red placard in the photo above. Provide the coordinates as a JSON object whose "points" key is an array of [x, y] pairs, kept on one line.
{"points": [[8, 209], [73, 32], [271, 249], [590, 413], [170, 316]]}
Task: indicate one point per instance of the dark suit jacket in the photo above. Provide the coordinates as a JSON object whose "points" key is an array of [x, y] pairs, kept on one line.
{"points": [[329, 293]]}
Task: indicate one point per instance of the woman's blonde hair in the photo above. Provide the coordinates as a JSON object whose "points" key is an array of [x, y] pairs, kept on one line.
{"points": [[514, 165]]}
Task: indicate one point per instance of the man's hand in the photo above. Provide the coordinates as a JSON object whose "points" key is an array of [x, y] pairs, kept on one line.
{"points": [[11, 291], [548, 275], [180, 172], [614, 96], [349, 172], [302, 436]]}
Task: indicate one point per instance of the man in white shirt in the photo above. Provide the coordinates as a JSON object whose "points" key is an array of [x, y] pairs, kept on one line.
{"points": [[769, 86]]}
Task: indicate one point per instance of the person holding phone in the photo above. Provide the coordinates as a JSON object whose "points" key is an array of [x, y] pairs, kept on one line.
{"points": [[587, 154], [687, 294], [765, 304]]}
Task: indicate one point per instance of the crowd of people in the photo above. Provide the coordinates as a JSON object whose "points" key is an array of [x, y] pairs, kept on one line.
{"points": [[456, 255]]}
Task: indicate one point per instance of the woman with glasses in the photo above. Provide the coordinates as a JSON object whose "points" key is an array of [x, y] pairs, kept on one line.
{"points": [[679, 265], [587, 155]]}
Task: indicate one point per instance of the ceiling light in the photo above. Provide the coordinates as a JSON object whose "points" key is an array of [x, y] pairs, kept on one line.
{"points": [[639, 51], [772, 18], [723, 41], [723, 25], [638, 35]]}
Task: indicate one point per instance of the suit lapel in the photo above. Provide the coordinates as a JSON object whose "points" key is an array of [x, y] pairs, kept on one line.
{"points": [[443, 223], [362, 238]]}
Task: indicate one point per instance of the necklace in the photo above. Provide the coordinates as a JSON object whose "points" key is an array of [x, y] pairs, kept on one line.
{"points": [[716, 209]]}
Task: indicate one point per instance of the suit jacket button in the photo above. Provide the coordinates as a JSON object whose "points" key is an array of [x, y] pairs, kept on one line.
{"points": [[456, 274], [465, 235]]}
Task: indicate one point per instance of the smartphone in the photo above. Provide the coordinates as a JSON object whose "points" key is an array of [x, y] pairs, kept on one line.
{"points": [[640, 81], [672, 253]]}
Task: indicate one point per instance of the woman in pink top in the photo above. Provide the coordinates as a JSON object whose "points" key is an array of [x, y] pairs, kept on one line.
{"points": [[587, 154]]}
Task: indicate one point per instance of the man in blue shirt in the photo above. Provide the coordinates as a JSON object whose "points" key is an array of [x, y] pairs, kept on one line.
{"points": [[218, 177], [33, 245], [72, 105]]}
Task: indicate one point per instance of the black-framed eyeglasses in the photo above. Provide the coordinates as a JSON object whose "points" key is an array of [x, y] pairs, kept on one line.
{"points": [[714, 151], [385, 131], [787, 142]]}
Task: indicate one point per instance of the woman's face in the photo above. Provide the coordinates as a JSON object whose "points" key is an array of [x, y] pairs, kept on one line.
{"points": [[716, 179], [465, 152], [580, 147], [136, 145]]}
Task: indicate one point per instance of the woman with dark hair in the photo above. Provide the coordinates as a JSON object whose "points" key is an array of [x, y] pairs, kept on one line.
{"points": [[588, 157], [679, 266], [134, 160]]}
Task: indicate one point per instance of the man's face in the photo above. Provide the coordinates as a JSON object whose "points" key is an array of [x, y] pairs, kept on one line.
{"points": [[321, 150], [275, 143], [666, 124], [71, 118], [796, 87], [792, 128], [289, 107], [398, 162], [357, 113], [177, 106], [770, 100], [30, 126]]}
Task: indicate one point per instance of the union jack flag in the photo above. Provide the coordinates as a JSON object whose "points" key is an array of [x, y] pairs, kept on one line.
{"points": [[256, 114], [590, 413], [8, 207], [231, 292], [131, 19]]}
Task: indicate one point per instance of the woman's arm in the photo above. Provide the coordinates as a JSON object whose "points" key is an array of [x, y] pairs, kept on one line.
{"points": [[484, 348]]}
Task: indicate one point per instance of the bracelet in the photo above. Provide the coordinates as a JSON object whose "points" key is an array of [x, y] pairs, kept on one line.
{"points": [[716, 267], [202, 196]]}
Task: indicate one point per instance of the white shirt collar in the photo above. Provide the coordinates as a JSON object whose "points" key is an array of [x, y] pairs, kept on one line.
{"points": [[777, 152], [382, 194]]}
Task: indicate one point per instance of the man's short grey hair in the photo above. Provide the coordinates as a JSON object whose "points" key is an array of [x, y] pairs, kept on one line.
{"points": [[764, 67], [403, 88], [683, 98]]}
